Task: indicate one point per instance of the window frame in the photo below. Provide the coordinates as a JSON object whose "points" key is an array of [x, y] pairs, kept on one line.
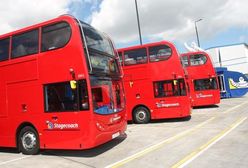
{"points": [[171, 81], [79, 97], [52, 24], [124, 59], [216, 83], [9, 41], [161, 45], [189, 59], [121, 61], [22, 33], [182, 61]]}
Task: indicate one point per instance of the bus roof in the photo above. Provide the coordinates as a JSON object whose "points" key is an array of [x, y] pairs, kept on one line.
{"points": [[59, 18], [194, 52], [147, 45]]}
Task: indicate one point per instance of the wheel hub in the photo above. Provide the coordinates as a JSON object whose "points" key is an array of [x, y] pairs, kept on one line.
{"points": [[141, 115], [29, 140]]}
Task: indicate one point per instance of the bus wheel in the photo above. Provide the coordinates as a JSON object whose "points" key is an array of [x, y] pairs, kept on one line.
{"points": [[141, 115], [29, 141]]}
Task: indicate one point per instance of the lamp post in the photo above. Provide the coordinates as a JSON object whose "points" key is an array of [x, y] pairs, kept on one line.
{"points": [[137, 13], [197, 36]]}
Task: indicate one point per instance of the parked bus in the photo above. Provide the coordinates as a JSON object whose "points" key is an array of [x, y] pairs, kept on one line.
{"points": [[201, 78], [154, 82], [60, 87]]}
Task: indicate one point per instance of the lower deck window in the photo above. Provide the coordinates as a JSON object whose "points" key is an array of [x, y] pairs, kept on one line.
{"points": [[205, 84], [61, 97], [168, 88]]}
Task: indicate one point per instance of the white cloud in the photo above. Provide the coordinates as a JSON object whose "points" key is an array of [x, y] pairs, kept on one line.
{"points": [[170, 20], [16, 14]]}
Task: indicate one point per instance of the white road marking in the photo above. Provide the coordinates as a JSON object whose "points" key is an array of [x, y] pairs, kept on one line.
{"points": [[14, 160]]}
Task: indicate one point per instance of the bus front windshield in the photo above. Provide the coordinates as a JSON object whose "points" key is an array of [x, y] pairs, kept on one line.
{"points": [[107, 95], [105, 76], [100, 49]]}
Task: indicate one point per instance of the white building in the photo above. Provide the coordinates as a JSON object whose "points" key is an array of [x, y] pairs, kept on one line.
{"points": [[234, 57]]}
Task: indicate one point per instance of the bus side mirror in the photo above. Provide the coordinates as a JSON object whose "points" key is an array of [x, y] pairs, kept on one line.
{"points": [[73, 84]]}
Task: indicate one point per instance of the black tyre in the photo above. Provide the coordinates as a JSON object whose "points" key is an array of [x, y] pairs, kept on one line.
{"points": [[28, 141], [141, 115]]}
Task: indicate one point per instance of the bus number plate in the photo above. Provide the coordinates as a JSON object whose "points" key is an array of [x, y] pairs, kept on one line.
{"points": [[115, 135]]}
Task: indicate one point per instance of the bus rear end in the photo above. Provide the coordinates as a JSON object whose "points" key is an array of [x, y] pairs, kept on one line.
{"points": [[202, 79]]}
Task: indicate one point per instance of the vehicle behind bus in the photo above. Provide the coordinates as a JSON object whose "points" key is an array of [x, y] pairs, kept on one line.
{"points": [[60, 87], [154, 82], [201, 78]]}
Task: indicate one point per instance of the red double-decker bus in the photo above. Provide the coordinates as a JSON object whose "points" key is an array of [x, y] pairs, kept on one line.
{"points": [[60, 87], [201, 78], [154, 82]]}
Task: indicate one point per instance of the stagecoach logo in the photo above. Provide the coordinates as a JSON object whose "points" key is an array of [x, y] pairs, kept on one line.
{"points": [[200, 95], [61, 126], [50, 125], [159, 105]]}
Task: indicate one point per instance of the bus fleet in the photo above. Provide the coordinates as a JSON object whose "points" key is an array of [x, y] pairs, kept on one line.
{"points": [[63, 85]]}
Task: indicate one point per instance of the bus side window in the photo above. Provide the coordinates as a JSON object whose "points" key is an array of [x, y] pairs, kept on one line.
{"points": [[25, 44], [4, 49], [137, 56], [61, 97], [83, 95], [169, 88], [198, 59], [205, 84], [120, 56], [55, 36], [159, 53], [185, 61]]}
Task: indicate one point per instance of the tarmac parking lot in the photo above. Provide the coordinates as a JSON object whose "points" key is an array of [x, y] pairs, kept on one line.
{"points": [[215, 136]]}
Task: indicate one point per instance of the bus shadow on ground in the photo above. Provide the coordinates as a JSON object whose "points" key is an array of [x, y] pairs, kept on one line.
{"points": [[205, 107], [9, 150], [74, 153], [87, 152], [157, 121]]}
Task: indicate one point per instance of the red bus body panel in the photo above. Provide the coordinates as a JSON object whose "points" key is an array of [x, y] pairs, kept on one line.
{"points": [[204, 71], [138, 80], [21, 84]]}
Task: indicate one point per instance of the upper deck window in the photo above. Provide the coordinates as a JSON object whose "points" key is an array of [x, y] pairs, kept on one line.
{"points": [[159, 53], [137, 56], [197, 59], [185, 61], [25, 44], [4, 49], [120, 56], [55, 36]]}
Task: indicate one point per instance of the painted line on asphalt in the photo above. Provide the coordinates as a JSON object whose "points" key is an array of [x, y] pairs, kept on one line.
{"points": [[14, 160], [158, 145], [192, 156], [235, 107]]}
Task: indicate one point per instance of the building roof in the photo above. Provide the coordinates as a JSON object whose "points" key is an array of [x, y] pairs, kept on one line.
{"points": [[228, 45]]}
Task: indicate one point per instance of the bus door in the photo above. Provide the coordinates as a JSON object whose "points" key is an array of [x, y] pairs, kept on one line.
{"points": [[222, 85]]}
